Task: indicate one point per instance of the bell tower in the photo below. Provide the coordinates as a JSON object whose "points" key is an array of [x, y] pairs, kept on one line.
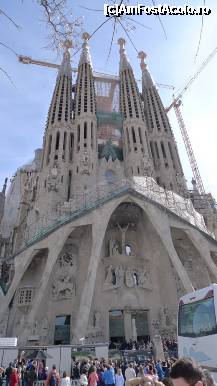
{"points": [[136, 145], [85, 123], [167, 165]]}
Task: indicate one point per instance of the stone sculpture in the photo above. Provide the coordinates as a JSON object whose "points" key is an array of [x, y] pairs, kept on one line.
{"points": [[63, 288]]}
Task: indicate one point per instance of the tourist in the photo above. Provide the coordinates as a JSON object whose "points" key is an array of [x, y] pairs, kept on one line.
{"points": [[31, 376], [53, 378], [141, 372], [76, 371], [2, 374], [14, 378], [100, 371], [108, 376], [119, 379], [160, 372], [65, 381], [8, 372], [93, 377], [130, 372], [83, 378], [185, 372]]}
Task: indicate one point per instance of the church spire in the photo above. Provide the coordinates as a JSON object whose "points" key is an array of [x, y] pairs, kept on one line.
{"points": [[147, 80], [124, 61], [85, 117], [85, 101], [61, 105], [168, 169], [131, 104], [136, 145], [85, 55]]}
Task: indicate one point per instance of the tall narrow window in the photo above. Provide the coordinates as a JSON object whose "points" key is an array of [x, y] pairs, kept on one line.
{"points": [[134, 135], [140, 135], [64, 145], [148, 145], [163, 150], [91, 128], [69, 185], [156, 148], [152, 149], [170, 149], [128, 138], [57, 141], [71, 145], [85, 130], [78, 136], [49, 149]]}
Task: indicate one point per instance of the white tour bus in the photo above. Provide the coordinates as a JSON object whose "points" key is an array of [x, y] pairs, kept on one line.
{"points": [[197, 327]]}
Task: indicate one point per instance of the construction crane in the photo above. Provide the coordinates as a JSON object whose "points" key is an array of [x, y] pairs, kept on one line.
{"points": [[176, 105], [28, 60]]}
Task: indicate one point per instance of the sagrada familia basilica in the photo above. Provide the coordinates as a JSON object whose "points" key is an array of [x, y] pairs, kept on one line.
{"points": [[100, 235]]}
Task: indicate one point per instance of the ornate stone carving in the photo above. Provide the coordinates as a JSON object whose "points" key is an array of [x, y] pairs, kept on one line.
{"points": [[85, 163], [144, 280], [156, 326], [146, 166], [117, 276], [63, 288], [53, 178], [113, 247], [119, 273], [129, 278], [179, 286], [66, 260]]}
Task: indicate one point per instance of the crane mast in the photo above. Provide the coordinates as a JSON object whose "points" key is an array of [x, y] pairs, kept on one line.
{"points": [[176, 105], [187, 142]]}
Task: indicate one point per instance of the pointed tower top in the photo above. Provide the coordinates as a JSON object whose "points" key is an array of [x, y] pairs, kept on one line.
{"points": [[124, 62], [65, 68], [142, 55], [85, 55], [146, 77]]}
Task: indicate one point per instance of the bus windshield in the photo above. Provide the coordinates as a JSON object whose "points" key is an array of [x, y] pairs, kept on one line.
{"points": [[197, 319]]}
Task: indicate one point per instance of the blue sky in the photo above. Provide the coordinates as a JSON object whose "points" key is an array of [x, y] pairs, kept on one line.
{"points": [[171, 61]]}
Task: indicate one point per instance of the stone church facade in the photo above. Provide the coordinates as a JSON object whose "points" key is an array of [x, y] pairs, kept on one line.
{"points": [[105, 238]]}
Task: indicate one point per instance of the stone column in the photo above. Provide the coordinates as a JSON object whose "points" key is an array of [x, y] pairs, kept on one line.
{"points": [[127, 325], [98, 231]]}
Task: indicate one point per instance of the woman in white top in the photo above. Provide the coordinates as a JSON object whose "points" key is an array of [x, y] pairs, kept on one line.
{"points": [[83, 378], [119, 379], [65, 381]]}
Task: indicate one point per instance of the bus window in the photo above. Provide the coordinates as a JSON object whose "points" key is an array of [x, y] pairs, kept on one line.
{"points": [[197, 319]]}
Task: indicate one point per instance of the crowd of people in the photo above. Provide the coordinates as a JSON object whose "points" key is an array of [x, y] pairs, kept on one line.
{"points": [[107, 373], [170, 346]]}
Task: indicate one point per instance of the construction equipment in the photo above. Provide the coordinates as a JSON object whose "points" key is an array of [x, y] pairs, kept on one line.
{"points": [[176, 105]]}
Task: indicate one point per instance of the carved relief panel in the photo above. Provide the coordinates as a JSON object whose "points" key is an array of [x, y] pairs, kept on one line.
{"points": [[63, 285]]}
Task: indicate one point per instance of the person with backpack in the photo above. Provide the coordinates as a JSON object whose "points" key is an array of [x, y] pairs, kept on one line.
{"points": [[53, 378]]}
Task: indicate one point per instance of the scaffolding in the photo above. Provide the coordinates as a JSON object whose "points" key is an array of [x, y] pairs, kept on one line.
{"points": [[81, 204]]}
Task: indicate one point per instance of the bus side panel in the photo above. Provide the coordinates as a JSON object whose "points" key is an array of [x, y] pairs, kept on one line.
{"points": [[202, 349]]}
